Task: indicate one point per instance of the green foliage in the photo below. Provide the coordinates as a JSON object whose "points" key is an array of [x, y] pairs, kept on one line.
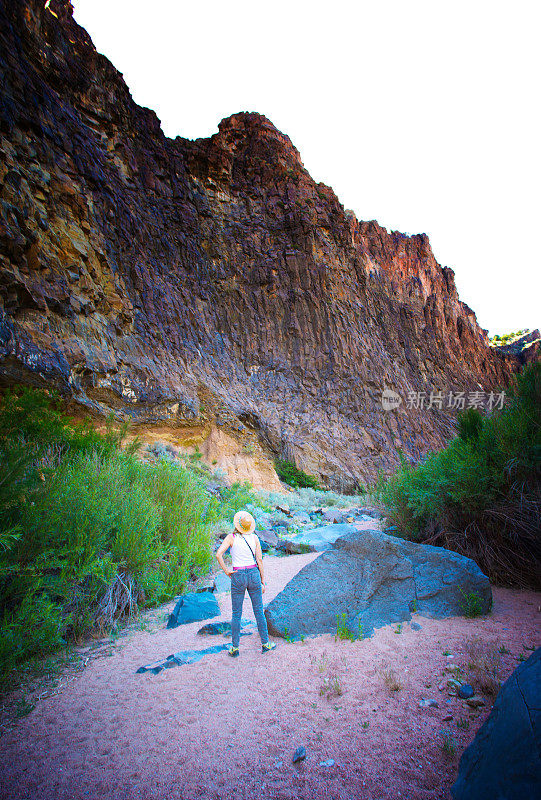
{"points": [[305, 499], [508, 338], [448, 744], [241, 496], [470, 425], [471, 604], [290, 474], [287, 636], [486, 481], [88, 532], [343, 632]]}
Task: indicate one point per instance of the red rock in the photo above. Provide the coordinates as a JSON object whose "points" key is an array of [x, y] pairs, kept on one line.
{"points": [[162, 273]]}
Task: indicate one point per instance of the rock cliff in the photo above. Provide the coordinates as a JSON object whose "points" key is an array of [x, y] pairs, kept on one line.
{"points": [[210, 284]]}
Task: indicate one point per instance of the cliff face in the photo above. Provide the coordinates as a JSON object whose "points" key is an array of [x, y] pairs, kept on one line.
{"points": [[208, 283]]}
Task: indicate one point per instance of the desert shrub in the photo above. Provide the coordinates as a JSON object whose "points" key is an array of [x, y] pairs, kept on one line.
{"points": [[484, 664], [293, 476], [88, 532], [481, 496], [305, 499], [241, 495], [471, 604], [35, 628]]}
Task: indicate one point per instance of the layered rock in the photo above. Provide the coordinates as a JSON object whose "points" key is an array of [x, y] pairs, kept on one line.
{"points": [[210, 283]]}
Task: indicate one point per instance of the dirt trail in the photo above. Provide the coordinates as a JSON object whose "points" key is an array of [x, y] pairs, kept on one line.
{"points": [[227, 728]]}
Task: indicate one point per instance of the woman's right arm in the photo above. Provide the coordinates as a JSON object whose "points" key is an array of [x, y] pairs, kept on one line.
{"points": [[225, 545]]}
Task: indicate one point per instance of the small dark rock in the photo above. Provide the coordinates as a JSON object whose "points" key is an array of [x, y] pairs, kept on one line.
{"points": [[465, 691], [415, 626], [193, 607], [428, 703], [299, 754]]}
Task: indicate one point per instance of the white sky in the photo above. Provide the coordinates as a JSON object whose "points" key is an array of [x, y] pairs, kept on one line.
{"points": [[422, 114]]}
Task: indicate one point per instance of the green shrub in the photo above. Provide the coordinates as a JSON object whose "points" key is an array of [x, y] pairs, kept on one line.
{"points": [[343, 631], [305, 499], [88, 532], [290, 474], [481, 495], [470, 424], [471, 604]]}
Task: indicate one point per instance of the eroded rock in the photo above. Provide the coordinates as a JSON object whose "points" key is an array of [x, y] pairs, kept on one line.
{"points": [[210, 286], [374, 579], [504, 759]]}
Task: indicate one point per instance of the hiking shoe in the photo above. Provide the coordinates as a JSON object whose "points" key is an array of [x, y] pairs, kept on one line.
{"points": [[233, 651], [267, 647]]}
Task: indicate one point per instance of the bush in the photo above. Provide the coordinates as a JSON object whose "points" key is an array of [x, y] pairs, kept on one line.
{"points": [[481, 496], [88, 532], [290, 474]]}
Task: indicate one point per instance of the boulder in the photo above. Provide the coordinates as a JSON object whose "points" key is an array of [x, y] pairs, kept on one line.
{"points": [[374, 579], [222, 583], [369, 512], [504, 759], [223, 629], [293, 546], [193, 607], [320, 538], [333, 515], [268, 537]]}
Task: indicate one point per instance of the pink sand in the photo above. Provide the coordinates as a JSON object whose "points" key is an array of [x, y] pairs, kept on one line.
{"points": [[227, 728]]}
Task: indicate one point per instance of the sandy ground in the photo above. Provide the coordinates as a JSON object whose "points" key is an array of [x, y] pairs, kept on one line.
{"points": [[227, 728]]}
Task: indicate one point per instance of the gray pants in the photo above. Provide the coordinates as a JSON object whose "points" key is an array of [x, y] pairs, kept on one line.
{"points": [[242, 580]]}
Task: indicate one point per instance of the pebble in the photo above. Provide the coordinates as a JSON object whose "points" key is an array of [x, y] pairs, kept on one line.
{"points": [[475, 702], [328, 763], [465, 691], [428, 704], [415, 626], [299, 754], [448, 718]]}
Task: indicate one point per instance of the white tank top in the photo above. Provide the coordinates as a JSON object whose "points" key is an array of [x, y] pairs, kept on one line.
{"points": [[240, 552]]}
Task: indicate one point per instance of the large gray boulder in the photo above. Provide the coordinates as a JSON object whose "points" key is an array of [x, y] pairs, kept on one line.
{"points": [[375, 579], [318, 539], [504, 759]]}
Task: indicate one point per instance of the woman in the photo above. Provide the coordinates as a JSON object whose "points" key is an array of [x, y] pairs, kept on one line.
{"points": [[247, 574]]}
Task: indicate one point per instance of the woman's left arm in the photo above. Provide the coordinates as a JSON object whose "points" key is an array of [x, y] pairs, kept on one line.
{"points": [[259, 559]]}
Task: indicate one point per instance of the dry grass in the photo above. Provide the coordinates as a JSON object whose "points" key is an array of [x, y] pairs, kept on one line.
{"points": [[119, 600], [331, 669], [484, 664], [391, 680]]}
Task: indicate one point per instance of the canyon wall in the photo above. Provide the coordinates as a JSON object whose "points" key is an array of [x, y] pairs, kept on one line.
{"points": [[201, 285]]}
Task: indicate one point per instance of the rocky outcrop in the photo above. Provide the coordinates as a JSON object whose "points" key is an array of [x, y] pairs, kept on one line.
{"points": [[504, 759], [372, 580], [192, 284], [523, 350]]}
